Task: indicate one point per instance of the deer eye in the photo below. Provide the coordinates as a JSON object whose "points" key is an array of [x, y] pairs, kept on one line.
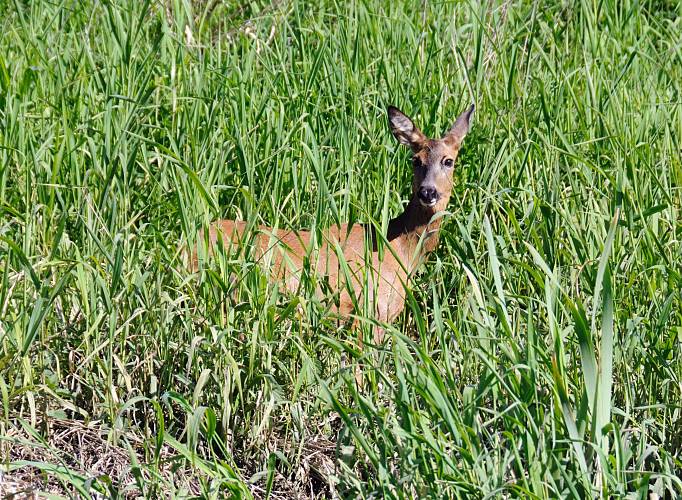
{"points": [[448, 162], [416, 161]]}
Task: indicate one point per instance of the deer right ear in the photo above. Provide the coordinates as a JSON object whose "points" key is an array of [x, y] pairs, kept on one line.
{"points": [[461, 127], [403, 129]]}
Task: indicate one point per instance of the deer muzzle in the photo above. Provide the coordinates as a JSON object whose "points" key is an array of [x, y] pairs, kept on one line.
{"points": [[428, 196]]}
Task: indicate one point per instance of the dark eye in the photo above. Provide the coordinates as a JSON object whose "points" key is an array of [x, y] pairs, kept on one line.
{"points": [[416, 162], [448, 162]]}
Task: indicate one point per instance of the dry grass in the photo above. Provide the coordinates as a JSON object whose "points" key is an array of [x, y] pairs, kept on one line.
{"points": [[86, 451]]}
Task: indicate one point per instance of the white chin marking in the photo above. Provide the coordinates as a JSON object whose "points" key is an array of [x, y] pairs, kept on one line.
{"points": [[424, 204]]}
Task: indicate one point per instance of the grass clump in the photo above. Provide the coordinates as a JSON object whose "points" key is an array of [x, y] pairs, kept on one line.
{"points": [[539, 355]]}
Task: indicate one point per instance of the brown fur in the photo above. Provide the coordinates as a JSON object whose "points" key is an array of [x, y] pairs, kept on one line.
{"points": [[411, 235]]}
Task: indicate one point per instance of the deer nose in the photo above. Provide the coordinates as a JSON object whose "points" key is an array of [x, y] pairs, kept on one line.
{"points": [[428, 195]]}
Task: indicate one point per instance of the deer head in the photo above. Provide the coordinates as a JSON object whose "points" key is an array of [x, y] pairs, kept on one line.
{"points": [[433, 160]]}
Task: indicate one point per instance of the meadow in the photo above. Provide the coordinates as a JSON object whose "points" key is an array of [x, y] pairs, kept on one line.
{"points": [[539, 352]]}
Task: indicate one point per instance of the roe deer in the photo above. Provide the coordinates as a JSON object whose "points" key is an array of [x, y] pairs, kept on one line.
{"points": [[411, 235]]}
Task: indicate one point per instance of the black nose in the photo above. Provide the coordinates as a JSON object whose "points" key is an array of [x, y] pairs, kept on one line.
{"points": [[428, 194]]}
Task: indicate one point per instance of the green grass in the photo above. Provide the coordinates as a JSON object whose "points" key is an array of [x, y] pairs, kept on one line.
{"points": [[540, 351]]}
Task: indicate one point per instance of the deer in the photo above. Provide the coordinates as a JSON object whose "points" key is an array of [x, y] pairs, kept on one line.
{"points": [[341, 258]]}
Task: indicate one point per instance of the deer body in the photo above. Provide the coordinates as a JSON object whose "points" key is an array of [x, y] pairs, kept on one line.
{"points": [[410, 236]]}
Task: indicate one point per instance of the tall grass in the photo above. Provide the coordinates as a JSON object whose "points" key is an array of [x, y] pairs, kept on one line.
{"points": [[539, 355]]}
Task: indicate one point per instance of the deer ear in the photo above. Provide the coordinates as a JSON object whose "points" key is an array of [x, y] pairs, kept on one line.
{"points": [[461, 127], [403, 129]]}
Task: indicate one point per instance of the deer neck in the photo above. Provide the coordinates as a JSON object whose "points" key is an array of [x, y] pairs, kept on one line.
{"points": [[414, 233]]}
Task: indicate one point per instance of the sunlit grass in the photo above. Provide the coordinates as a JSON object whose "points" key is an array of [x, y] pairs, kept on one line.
{"points": [[539, 352]]}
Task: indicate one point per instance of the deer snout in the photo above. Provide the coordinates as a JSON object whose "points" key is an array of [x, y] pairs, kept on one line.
{"points": [[428, 196]]}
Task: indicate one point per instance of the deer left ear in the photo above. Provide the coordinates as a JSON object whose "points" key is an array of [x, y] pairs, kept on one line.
{"points": [[404, 130], [461, 127]]}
